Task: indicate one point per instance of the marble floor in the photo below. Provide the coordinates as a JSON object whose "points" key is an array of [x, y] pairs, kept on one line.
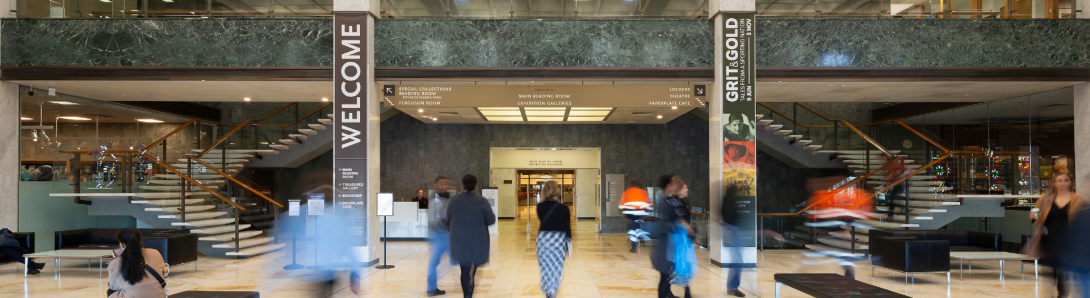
{"points": [[601, 266]]}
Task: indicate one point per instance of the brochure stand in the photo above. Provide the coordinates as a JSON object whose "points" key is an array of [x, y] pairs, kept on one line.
{"points": [[293, 212], [385, 209]]}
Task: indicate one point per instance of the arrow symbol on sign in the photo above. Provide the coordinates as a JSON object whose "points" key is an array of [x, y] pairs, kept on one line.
{"points": [[389, 90]]}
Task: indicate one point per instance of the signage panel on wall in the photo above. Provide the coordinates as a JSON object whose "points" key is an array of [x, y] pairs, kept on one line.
{"points": [[350, 84], [623, 95], [739, 122]]}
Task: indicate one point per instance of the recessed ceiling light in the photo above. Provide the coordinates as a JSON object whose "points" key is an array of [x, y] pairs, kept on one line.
{"points": [[490, 118], [582, 119], [528, 118], [148, 120], [65, 103], [434, 119], [325, 99], [75, 118], [660, 116], [420, 110], [25, 118], [246, 98], [673, 108]]}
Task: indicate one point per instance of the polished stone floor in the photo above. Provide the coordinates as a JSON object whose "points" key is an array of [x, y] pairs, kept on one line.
{"points": [[601, 266]]}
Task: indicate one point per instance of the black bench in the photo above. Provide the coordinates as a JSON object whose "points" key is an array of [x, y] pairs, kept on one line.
{"points": [[830, 285]]}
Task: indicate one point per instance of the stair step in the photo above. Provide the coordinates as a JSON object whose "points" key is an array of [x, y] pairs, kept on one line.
{"points": [[330, 115], [764, 122], [929, 189], [230, 235], [783, 132], [289, 141], [253, 218], [812, 147], [171, 195], [773, 126], [244, 243], [217, 155], [919, 183], [900, 210], [804, 142], [214, 161], [858, 230], [925, 204], [913, 178], [257, 250], [195, 215], [308, 131], [326, 121], [166, 203], [201, 171], [218, 231], [317, 126], [297, 136], [859, 238], [927, 196], [204, 223], [179, 182], [792, 137], [279, 146], [210, 175], [885, 225], [757, 116], [188, 208], [175, 188]]}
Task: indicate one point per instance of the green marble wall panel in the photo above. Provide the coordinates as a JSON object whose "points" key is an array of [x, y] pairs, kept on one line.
{"points": [[544, 43], [166, 42], [923, 43], [548, 43]]}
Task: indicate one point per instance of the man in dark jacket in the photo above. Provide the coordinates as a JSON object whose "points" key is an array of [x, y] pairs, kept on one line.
{"points": [[468, 217], [1074, 256]]}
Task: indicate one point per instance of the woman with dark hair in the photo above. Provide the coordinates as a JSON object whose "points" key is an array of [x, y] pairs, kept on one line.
{"points": [[135, 271], [553, 238]]}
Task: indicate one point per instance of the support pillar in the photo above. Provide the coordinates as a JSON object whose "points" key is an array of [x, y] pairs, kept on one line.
{"points": [[1082, 127], [356, 119], [9, 146], [723, 102]]}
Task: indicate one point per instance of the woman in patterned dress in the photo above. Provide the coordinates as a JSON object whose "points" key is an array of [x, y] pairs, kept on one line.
{"points": [[553, 238]]}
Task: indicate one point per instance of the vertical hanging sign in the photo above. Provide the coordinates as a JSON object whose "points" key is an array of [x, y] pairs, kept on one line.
{"points": [[739, 122], [349, 124]]}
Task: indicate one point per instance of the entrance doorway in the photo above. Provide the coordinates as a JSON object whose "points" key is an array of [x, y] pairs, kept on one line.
{"points": [[531, 182]]}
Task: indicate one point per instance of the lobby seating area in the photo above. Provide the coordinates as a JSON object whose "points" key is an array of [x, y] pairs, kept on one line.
{"points": [[178, 246], [26, 240]]}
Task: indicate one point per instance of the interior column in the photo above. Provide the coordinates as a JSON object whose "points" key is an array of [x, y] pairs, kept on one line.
{"points": [[1082, 127], [719, 254], [356, 119], [9, 148]]}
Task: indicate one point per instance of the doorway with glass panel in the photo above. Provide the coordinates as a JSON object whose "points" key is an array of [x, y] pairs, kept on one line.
{"points": [[530, 185]]}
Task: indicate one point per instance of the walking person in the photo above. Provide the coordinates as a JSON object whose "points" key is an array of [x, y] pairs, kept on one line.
{"points": [[1057, 208], [553, 238], [732, 237], [635, 205], [438, 232], [468, 217], [1076, 260], [894, 171], [674, 214]]}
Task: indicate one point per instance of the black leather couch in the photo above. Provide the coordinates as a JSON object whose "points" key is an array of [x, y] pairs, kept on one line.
{"points": [[960, 240], [26, 240], [910, 255], [177, 246]]}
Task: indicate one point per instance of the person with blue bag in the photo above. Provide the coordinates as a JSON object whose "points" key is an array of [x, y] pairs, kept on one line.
{"points": [[674, 231]]}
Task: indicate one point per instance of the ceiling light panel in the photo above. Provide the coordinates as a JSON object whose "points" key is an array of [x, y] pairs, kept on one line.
{"points": [[588, 113], [519, 119], [583, 119], [544, 118], [75, 118], [64, 103], [544, 113], [501, 113]]}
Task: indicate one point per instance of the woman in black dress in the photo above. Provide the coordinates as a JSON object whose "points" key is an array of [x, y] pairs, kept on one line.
{"points": [[1057, 207]]}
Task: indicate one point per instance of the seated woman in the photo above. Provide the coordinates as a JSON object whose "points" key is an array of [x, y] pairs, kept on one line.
{"points": [[135, 272]]}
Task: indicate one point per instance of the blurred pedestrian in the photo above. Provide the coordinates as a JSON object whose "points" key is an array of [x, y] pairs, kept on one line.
{"points": [[674, 215], [468, 217], [438, 232], [835, 208], [553, 238], [894, 172], [635, 205], [1052, 216], [1075, 259], [732, 237]]}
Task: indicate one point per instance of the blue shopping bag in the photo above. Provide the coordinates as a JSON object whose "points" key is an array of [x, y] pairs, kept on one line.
{"points": [[684, 256]]}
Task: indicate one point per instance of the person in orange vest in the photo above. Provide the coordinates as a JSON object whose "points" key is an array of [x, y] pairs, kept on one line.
{"points": [[635, 205], [835, 207]]}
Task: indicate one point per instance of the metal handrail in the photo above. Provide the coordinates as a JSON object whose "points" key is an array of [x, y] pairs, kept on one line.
{"points": [[911, 129], [165, 166], [239, 127], [296, 120], [225, 175], [845, 186]]}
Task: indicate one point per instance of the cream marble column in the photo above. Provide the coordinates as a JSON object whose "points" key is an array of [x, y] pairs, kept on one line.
{"points": [[373, 250], [9, 145], [715, 122], [1082, 144], [1083, 5]]}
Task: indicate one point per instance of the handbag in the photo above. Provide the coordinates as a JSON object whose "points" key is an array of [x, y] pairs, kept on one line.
{"points": [[159, 278], [7, 238], [684, 257]]}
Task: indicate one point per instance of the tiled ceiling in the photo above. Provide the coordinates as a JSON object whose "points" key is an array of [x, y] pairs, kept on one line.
{"points": [[514, 115]]}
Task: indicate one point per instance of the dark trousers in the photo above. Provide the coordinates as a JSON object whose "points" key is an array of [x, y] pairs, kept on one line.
{"points": [[664, 285], [468, 273], [1061, 282], [632, 226], [14, 252], [895, 193]]}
